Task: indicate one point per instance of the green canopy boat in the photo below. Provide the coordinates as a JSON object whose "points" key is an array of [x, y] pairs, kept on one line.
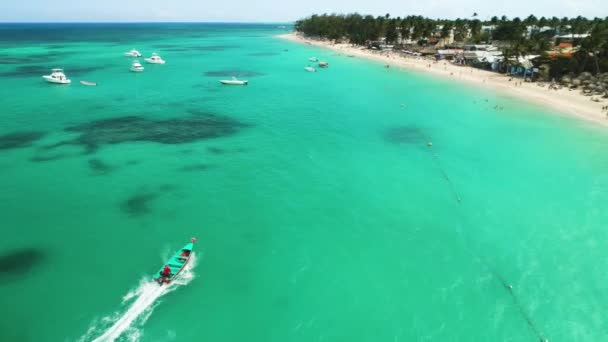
{"points": [[175, 264]]}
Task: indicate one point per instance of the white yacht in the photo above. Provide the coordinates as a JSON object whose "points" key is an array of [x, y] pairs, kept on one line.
{"points": [[234, 81], [136, 66], [57, 76], [133, 53], [155, 59], [313, 59], [310, 69]]}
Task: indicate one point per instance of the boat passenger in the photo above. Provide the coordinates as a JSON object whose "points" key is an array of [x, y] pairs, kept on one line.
{"points": [[166, 271]]}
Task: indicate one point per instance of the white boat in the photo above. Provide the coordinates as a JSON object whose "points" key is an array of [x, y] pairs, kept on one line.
{"points": [[87, 83], [313, 59], [133, 53], [155, 59], [136, 66], [310, 69], [57, 76], [234, 81]]}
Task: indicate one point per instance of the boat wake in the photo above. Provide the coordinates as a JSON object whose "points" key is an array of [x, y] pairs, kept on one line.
{"points": [[125, 324]]}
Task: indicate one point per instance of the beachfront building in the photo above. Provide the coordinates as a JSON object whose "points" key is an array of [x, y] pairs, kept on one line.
{"points": [[481, 53], [562, 50], [448, 54]]}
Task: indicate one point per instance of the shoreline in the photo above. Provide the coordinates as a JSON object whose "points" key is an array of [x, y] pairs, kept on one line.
{"points": [[564, 101]]}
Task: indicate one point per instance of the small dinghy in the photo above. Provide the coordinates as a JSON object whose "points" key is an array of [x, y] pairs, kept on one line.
{"points": [[175, 265], [323, 64], [310, 69], [87, 83], [234, 81]]}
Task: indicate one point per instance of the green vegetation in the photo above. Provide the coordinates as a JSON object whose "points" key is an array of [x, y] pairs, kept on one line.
{"points": [[515, 37]]}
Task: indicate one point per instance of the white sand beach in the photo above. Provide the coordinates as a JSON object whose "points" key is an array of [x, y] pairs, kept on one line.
{"points": [[570, 102]]}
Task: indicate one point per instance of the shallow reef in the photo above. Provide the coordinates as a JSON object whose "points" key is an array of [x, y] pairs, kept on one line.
{"points": [[98, 166], [404, 135], [138, 204], [19, 262], [228, 73], [195, 168], [19, 139], [264, 54], [94, 134]]}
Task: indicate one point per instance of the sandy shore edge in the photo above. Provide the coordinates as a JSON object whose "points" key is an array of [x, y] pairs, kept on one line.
{"points": [[563, 100]]}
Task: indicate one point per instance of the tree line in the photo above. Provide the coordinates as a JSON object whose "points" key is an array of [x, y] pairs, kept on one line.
{"points": [[518, 37]]}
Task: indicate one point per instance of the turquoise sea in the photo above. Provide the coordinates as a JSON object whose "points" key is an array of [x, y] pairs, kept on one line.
{"points": [[321, 213]]}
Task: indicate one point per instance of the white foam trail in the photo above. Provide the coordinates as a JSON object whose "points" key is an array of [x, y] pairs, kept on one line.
{"points": [[147, 294]]}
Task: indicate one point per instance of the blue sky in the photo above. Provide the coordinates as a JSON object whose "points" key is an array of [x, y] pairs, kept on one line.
{"points": [[281, 11]]}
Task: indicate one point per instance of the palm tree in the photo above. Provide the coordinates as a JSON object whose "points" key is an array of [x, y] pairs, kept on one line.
{"points": [[595, 45]]}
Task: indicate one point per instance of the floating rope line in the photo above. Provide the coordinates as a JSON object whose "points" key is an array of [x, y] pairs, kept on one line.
{"points": [[500, 278], [509, 288], [445, 176]]}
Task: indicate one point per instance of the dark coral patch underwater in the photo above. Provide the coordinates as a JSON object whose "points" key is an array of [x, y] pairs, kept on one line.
{"points": [[97, 133], [98, 166], [236, 73], [19, 262], [195, 168], [19, 139], [404, 135]]}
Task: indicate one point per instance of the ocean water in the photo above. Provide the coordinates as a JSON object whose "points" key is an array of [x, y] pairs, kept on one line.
{"points": [[321, 212]]}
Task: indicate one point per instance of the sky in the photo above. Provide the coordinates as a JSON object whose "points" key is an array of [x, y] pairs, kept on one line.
{"points": [[280, 10]]}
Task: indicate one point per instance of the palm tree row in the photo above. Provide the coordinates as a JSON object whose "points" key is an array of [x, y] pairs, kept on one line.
{"points": [[518, 37]]}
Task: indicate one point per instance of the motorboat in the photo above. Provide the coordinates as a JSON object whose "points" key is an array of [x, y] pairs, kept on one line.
{"points": [[323, 64], [136, 66], [313, 59], [155, 59], [87, 83], [310, 69], [175, 264], [234, 81], [57, 76], [133, 53]]}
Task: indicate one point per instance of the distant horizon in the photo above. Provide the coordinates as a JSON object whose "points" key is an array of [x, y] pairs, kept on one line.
{"points": [[275, 11], [149, 22], [262, 22]]}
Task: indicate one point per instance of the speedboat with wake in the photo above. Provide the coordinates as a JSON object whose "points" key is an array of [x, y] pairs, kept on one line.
{"points": [[155, 59], [57, 76], [234, 81], [175, 265], [133, 53]]}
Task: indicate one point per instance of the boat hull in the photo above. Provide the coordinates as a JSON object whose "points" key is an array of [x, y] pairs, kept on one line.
{"points": [[137, 69], [176, 264], [56, 81], [229, 82], [149, 61]]}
